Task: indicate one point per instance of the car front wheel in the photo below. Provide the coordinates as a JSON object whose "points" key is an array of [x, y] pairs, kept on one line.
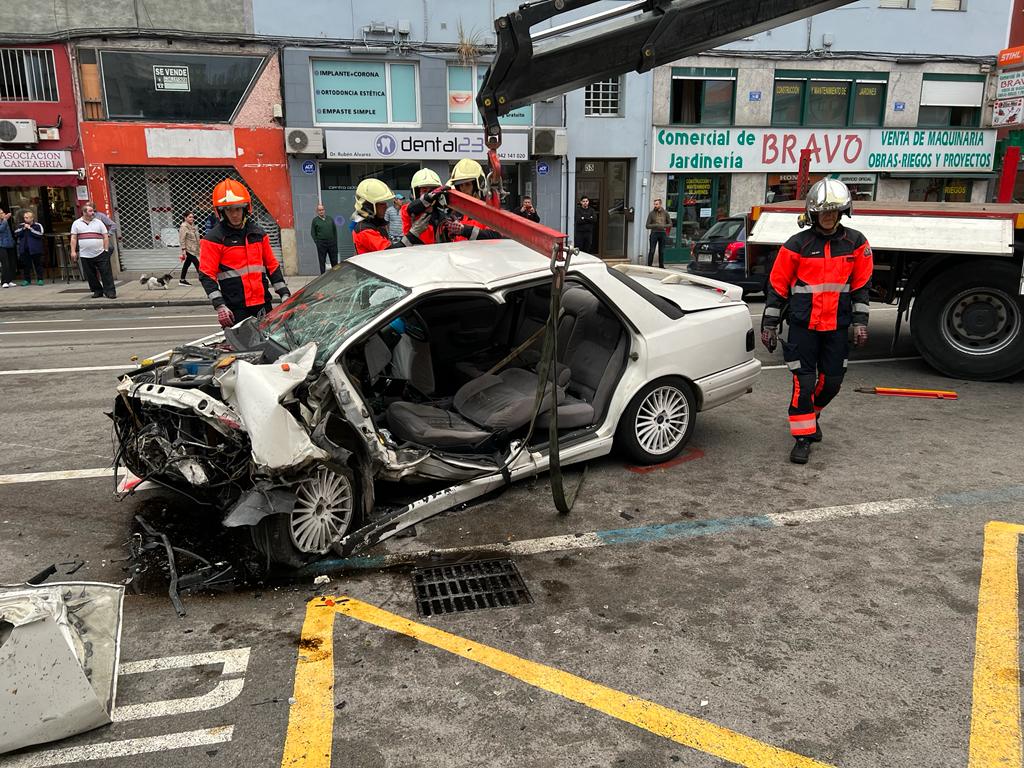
{"points": [[658, 421], [325, 510]]}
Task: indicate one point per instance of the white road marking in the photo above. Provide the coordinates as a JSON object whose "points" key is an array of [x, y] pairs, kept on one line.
{"points": [[81, 369], [852, 362], [107, 330], [866, 509], [76, 755], [31, 322], [229, 686], [64, 474]]}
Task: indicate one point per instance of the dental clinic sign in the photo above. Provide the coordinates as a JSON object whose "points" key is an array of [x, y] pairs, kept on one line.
{"points": [[420, 145], [777, 150]]}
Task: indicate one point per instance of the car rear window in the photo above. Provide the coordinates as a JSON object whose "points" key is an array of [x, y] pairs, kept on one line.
{"points": [[726, 229], [665, 306]]}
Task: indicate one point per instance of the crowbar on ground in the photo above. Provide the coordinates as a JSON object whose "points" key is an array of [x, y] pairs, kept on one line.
{"points": [[934, 394]]}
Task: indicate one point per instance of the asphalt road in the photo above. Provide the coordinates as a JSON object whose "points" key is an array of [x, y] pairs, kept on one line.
{"points": [[757, 612]]}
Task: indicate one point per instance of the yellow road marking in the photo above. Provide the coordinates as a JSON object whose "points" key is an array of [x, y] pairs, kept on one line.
{"points": [[995, 709], [311, 720]]}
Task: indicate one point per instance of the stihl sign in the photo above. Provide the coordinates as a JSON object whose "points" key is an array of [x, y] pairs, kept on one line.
{"points": [[1011, 57]]}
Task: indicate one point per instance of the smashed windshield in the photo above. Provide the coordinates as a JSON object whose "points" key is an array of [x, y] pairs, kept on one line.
{"points": [[331, 308]]}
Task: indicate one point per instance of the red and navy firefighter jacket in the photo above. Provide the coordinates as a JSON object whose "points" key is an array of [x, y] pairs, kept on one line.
{"points": [[238, 268], [825, 278]]}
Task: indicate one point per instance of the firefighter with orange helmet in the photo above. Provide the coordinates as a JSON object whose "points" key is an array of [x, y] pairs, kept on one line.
{"points": [[824, 275], [236, 265]]}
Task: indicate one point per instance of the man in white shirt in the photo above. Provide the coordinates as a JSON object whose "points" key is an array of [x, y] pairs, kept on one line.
{"points": [[91, 242]]}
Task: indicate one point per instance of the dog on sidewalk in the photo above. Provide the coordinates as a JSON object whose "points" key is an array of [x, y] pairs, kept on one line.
{"points": [[155, 283]]}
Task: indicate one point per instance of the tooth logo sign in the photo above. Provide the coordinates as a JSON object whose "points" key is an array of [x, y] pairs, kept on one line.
{"points": [[386, 145]]}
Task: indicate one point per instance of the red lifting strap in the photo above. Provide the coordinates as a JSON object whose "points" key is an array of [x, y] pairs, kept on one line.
{"points": [[537, 237]]}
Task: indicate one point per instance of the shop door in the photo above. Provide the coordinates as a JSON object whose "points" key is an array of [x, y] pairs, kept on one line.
{"points": [[606, 183], [150, 202], [695, 203]]}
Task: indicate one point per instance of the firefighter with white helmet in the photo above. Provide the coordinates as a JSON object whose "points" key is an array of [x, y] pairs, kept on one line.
{"points": [[426, 188], [371, 231], [824, 275], [237, 267], [469, 178]]}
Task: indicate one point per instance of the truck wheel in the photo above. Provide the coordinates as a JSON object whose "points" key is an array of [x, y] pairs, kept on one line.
{"points": [[968, 322]]}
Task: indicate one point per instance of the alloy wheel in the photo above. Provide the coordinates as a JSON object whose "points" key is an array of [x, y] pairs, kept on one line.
{"points": [[323, 511], [661, 420]]}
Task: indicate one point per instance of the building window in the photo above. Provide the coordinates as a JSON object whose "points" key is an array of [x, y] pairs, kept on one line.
{"points": [[601, 99], [364, 92], [949, 5], [930, 190], [782, 186], [462, 100], [702, 102], [951, 101], [829, 100], [175, 87], [896, 4], [27, 74]]}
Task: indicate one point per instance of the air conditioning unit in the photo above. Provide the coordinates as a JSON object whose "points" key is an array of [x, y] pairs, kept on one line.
{"points": [[549, 141], [304, 141], [18, 131], [49, 134]]}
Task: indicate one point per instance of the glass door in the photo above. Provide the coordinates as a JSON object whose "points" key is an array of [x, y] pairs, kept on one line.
{"points": [[695, 203], [606, 183]]}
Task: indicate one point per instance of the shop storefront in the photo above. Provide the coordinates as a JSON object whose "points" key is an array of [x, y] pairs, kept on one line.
{"points": [[711, 173], [165, 128]]}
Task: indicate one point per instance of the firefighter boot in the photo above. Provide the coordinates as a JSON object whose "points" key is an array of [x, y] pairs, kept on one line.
{"points": [[801, 451]]}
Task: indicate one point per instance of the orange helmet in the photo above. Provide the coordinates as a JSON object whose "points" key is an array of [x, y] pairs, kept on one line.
{"points": [[230, 192]]}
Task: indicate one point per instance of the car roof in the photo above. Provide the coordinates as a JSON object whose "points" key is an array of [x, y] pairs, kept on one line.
{"points": [[479, 262]]}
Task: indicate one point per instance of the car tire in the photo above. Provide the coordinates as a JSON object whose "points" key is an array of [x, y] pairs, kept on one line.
{"points": [[326, 503], [968, 322], [658, 421]]}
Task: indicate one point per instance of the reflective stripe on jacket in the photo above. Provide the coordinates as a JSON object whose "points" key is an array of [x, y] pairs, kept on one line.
{"points": [[826, 279], [235, 264]]}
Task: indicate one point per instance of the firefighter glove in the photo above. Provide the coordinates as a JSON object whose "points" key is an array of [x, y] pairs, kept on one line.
{"points": [[420, 225], [770, 337], [860, 335], [284, 293], [431, 197], [225, 317], [456, 229]]}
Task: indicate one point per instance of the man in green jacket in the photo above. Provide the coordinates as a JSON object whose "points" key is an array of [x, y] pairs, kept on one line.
{"points": [[325, 236]]}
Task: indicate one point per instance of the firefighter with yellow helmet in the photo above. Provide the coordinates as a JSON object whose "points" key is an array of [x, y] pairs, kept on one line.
{"points": [[468, 177], [371, 230], [426, 188]]}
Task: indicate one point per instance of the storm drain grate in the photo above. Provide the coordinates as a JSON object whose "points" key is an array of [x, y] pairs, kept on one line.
{"points": [[462, 587]]}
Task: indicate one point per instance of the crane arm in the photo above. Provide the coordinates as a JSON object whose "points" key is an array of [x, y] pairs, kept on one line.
{"points": [[636, 36]]}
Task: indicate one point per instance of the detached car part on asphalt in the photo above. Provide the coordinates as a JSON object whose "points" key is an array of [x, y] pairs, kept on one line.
{"points": [[402, 384]]}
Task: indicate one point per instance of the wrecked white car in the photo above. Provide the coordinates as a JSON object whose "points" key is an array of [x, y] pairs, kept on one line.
{"points": [[404, 383]]}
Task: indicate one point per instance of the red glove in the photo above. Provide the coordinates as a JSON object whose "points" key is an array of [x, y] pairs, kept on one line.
{"points": [[454, 229], [225, 317], [860, 335]]}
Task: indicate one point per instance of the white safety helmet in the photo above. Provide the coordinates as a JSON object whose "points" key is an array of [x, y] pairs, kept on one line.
{"points": [[828, 195], [424, 178], [369, 193], [469, 170]]}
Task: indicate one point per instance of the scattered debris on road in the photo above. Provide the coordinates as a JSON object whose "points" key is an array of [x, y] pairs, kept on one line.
{"points": [[59, 650]]}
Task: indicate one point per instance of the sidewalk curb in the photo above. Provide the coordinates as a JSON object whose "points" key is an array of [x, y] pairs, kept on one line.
{"points": [[108, 304]]}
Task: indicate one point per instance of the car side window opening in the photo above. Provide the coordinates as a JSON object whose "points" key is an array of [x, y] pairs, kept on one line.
{"points": [[472, 373]]}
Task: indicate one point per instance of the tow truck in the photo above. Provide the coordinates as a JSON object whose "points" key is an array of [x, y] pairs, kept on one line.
{"points": [[953, 270]]}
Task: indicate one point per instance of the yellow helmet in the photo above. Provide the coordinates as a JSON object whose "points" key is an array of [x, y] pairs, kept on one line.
{"points": [[369, 193], [424, 177], [469, 170]]}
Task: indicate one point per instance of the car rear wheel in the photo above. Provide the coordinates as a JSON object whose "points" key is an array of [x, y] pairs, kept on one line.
{"points": [[658, 421], [325, 510]]}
